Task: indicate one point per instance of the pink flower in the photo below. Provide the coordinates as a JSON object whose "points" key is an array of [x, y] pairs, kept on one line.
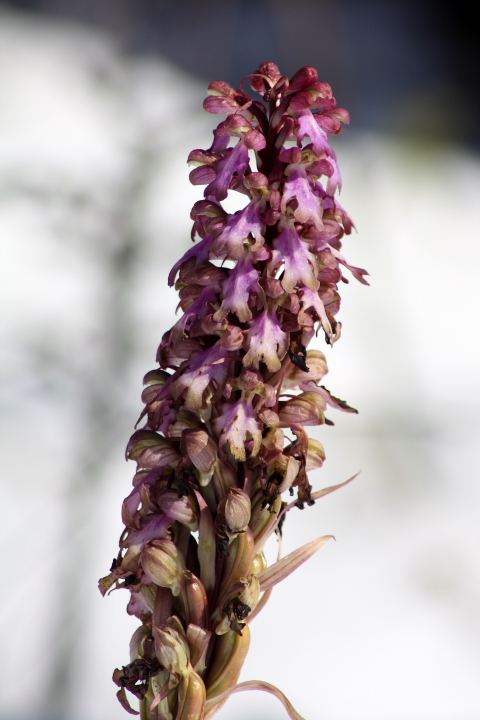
{"points": [[267, 342], [236, 426], [244, 227], [300, 263], [243, 280], [208, 367], [235, 161], [309, 209]]}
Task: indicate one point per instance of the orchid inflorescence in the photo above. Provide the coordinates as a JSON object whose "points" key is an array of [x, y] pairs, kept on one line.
{"points": [[225, 412]]}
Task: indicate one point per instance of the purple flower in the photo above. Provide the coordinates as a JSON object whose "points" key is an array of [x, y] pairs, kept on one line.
{"points": [[200, 252], [153, 530], [357, 273], [308, 124], [242, 281], [267, 342], [197, 309], [238, 424], [300, 263], [309, 209], [235, 161], [311, 299], [209, 366], [224, 98], [231, 241]]}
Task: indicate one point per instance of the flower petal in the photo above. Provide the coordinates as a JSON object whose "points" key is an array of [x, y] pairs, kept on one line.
{"points": [[199, 252], [306, 125], [311, 299], [123, 700], [197, 309], [234, 162]]}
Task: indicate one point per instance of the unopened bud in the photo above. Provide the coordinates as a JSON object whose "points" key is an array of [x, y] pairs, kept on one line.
{"points": [[317, 365], [202, 449], [250, 379], [151, 450], [269, 417], [232, 338], [185, 420], [153, 380], [184, 509], [237, 508], [256, 180], [163, 564], [306, 409], [315, 455], [171, 649]]}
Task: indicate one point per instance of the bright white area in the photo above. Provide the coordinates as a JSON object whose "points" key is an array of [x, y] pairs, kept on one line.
{"points": [[383, 624]]}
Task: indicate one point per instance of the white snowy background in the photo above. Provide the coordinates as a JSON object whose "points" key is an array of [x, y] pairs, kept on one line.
{"points": [[384, 623]]}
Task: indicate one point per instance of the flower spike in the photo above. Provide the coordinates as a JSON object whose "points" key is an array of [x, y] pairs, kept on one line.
{"points": [[223, 438]]}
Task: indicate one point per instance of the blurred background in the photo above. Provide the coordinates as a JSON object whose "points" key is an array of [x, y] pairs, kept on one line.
{"points": [[100, 103]]}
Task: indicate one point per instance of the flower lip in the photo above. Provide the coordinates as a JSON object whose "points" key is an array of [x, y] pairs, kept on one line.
{"points": [[267, 342], [242, 281], [239, 228], [235, 161], [300, 263], [236, 425]]}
